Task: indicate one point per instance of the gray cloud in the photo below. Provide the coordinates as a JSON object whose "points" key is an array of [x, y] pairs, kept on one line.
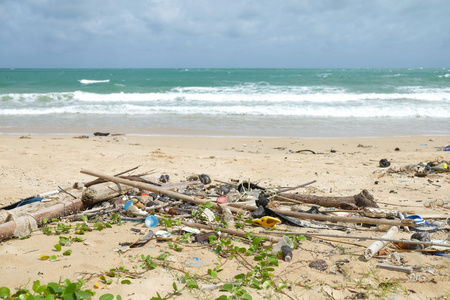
{"points": [[201, 33]]}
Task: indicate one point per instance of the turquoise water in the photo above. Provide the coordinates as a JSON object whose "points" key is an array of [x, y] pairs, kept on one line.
{"points": [[227, 102]]}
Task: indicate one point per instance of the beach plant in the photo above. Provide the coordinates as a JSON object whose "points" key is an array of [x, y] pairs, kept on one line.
{"points": [[53, 290]]}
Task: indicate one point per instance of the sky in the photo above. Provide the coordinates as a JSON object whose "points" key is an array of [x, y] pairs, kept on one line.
{"points": [[224, 34]]}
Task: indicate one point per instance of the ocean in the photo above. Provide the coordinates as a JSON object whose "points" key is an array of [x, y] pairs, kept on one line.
{"points": [[297, 103]]}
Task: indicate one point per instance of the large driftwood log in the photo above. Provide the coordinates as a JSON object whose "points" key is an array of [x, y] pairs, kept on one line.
{"points": [[363, 199], [8, 229]]}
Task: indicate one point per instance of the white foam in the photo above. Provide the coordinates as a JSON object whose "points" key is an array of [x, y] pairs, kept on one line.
{"points": [[88, 81]]}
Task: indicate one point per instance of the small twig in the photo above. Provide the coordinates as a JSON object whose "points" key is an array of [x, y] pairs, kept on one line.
{"points": [[295, 187], [63, 190]]}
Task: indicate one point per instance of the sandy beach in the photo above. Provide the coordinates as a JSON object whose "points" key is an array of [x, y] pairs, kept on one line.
{"points": [[35, 164]]}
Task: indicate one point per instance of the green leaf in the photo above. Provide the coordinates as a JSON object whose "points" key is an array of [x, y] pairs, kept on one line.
{"points": [[227, 287], [208, 204], [53, 258], [4, 292], [84, 294], [191, 284], [67, 253], [70, 289], [106, 297], [247, 297], [212, 273], [43, 257], [255, 284], [36, 285], [174, 285], [223, 297], [84, 218], [126, 281], [57, 247], [63, 240]]}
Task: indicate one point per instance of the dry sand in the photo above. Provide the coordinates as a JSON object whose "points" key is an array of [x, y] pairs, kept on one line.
{"points": [[35, 164]]}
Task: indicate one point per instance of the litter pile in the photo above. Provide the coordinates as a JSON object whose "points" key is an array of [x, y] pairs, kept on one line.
{"points": [[217, 205]]}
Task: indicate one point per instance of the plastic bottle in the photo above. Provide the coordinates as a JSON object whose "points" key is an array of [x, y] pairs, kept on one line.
{"points": [[196, 262], [285, 241], [287, 253]]}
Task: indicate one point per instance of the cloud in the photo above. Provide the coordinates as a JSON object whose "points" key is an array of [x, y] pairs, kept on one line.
{"points": [[223, 33]]}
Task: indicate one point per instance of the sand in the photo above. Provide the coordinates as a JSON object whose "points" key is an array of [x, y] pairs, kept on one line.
{"points": [[35, 164]]}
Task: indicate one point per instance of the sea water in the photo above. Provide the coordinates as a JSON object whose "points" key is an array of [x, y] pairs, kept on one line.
{"points": [[307, 103]]}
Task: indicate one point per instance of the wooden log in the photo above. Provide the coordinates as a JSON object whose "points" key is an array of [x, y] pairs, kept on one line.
{"points": [[156, 189], [63, 209], [103, 191], [363, 199]]}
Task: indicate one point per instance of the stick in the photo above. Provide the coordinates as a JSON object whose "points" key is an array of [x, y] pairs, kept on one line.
{"points": [[100, 180], [355, 237], [231, 231], [407, 270], [295, 187]]}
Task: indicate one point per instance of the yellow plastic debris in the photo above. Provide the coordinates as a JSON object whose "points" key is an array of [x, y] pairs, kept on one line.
{"points": [[266, 222]]}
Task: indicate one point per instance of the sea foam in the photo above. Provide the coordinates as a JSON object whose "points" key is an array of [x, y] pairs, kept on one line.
{"points": [[88, 81]]}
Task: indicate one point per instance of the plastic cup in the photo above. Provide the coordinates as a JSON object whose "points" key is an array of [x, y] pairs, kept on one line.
{"points": [[151, 221], [127, 204]]}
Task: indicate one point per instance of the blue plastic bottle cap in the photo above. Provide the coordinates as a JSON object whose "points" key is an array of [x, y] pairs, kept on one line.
{"points": [[151, 221], [127, 204]]}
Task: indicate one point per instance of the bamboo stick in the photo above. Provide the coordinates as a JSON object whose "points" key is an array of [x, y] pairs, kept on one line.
{"points": [[231, 231], [355, 237]]}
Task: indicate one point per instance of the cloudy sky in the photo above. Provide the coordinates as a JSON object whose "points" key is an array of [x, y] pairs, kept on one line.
{"points": [[224, 33]]}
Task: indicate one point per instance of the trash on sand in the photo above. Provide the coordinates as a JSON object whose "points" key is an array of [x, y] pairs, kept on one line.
{"points": [[267, 222]]}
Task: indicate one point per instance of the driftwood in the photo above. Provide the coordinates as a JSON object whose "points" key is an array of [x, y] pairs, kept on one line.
{"points": [[363, 199], [308, 216], [103, 191], [11, 228]]}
